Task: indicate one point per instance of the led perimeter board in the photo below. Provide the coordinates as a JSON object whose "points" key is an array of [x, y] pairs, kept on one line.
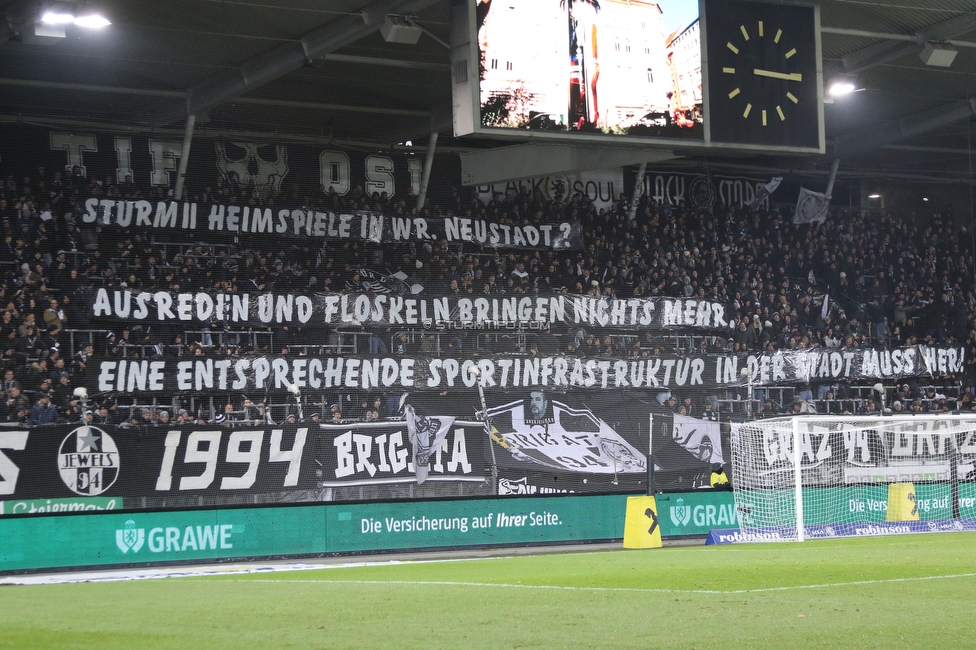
{"points": [[732, 74]]}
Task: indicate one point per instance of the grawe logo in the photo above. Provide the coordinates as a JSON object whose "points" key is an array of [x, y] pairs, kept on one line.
{"points": [[130, 538], [680, 513], [173, 539], [88, 461]]}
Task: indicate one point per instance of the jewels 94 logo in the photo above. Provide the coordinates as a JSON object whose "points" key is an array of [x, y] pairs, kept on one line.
{"points": [[88, 461]]}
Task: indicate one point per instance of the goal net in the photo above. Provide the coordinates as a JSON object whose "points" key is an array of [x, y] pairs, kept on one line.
{"points": [[823, 476]]}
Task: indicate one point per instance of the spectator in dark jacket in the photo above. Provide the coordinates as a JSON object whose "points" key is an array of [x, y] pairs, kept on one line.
{"points": [[43, 412]]}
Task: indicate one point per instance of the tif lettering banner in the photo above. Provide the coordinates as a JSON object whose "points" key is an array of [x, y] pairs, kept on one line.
{"points": [[381, 308], [152, 160], [498, 372], [68, 461], [193, 219]]}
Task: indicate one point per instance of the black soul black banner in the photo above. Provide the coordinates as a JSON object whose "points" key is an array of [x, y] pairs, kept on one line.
{"points": [[450, 312], [275, 373], [196, 219], [71, 460]]}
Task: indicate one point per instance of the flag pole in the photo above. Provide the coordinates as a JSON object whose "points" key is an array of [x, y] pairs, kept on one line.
{"points": [[476, 371], [833, 177], [830, 186]]}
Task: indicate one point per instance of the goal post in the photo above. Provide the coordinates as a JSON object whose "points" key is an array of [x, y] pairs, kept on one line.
{"points": [[824, 476]]}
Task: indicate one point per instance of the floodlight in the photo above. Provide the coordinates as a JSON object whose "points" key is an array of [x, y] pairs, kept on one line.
{"points": [[92, 21], [839, 88], [57, 18], [396, 29], [940, 55]]}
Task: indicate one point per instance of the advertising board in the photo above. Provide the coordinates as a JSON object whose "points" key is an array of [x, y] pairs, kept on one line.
{"points": [[47, 542]]}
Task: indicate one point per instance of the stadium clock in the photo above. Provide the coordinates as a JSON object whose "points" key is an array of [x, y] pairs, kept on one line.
{"points": [[763, 73]]}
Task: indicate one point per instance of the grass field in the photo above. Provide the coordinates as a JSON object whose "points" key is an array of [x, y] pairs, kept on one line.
{"points": [[884, 592]]}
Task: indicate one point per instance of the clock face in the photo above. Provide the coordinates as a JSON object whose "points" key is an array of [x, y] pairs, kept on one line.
{"points": [[762, 74]]}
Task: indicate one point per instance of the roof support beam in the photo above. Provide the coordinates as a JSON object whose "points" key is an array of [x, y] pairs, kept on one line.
{"points": [[886, 133], [889, 49], [392, 63], [180, 94], [286, 103], [888, 36], [91, 88], [191, 120], [287, 57]]}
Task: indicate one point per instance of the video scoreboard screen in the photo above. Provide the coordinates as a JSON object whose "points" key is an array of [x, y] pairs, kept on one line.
{"points": [[716, 73]]}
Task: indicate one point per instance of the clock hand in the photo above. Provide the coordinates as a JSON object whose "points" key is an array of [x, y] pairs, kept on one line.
{"points": [[795, 76]]}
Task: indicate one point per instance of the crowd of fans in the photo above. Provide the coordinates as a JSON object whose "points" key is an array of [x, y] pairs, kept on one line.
{"points": [[886, 281]]}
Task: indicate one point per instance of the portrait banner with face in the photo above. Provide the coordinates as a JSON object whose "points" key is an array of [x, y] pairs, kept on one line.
{"points": [[537, 409], [566, 432]]}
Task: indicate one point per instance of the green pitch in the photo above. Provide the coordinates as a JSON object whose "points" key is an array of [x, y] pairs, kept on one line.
{"points": [[885, 592]]}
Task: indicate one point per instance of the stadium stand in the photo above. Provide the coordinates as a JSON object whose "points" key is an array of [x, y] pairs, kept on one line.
{"points": [[889, 281]]}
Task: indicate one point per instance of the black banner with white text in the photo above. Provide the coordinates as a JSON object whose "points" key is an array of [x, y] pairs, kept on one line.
{"points": [[73, 460], [188, 219], [708, 371], [149, 162], [423, 446], [382, 309]]}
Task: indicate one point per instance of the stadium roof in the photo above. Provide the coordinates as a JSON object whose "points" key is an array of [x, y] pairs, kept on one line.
{"points": [[322, 70]]}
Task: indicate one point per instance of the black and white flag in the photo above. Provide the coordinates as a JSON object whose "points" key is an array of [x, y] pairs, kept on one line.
{"points": [[426, 436], [764, 192], [700, 438], [811, 207], [371, 281]]}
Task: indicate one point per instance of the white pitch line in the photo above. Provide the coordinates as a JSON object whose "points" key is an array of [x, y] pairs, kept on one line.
{"points": [[122, 575], [509, 585]]}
